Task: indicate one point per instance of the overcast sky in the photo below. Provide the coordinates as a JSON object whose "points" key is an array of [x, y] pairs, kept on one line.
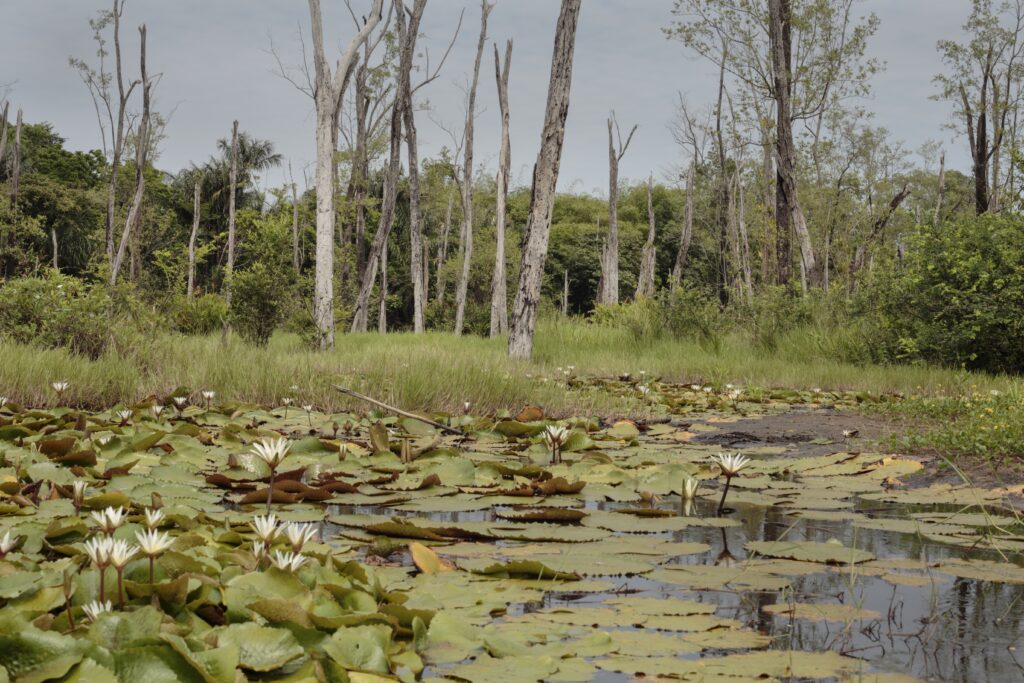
{"points": [[216, 66]]}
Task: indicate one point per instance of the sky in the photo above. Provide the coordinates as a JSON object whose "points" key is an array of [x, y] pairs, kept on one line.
{"points": [[216, 66]]}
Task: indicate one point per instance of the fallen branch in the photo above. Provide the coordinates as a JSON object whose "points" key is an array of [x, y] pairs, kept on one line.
{"points": [[403, 413]]}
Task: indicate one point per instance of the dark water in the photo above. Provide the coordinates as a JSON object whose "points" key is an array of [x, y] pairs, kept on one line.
{"points": [[952, 629]]}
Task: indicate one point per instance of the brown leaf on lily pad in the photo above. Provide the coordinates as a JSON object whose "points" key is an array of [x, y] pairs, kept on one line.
{"points": [[55, 448], [542, 515], [427, 561], [79, 458], [558, 485], [530, 413]]}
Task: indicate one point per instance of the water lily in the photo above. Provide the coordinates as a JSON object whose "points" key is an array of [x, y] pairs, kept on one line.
{"points": [[208, 397], [179, 403], [288, 561], [555, 437], [466, 407], [643, 389], [98, 548], [287, 401], [121, 554], [272, 452], [3, 401], [690, 485], [299, 534], [125, 415], [309, 414], [850, 433], [104, 440], [152, 544], [730, 464], [97, 607], [154, 517], [78, 489], [156, 410], [61, 386], [7, 544], [265, 527], [109, 519]]}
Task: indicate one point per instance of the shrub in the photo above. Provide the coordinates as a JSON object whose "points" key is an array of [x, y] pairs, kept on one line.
{"points": [[259, 302], [201, 315], [958, 298], [57, 311]]}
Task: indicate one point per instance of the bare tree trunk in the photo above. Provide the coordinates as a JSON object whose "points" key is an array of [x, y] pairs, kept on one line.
{"points": [[360, 171], [233, 189], [117, 148], [3, 133], [196, 195], [861, 252], [442, 249], [787, 202], [467, 178], [382, 313], [499, 291], [296, 252], [725, 205], [610, 255], [16, 164], [769, 257], [53, 240], [645, 282], [407, 45], [744, 242], [686, 235], [141, 147], [565, 293], [523, 322], [417, 261], [327, 95]]}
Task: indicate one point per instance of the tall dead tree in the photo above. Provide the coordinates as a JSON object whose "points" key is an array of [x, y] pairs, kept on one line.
{"points": [[141, 148], [196, 196], [686, 232], [789, 215], [407, 35], [16, 163], [328, 89], [645, 281], [462, 287], [523, 322], [877, 226], [233, 191], [937, 219], [417, 261], [382, 312], [610, 254], [499, 291], [442, 248], [744, 278], [3, 133], [296, 252]]}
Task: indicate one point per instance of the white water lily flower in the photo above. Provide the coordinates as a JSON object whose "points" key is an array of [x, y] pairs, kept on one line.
{"points": [[78, 489], [208, 395], [299, 534], [3, 401], [466, 405], [95, 608], [287, 401], [154, 517], [734, 394], [121, 553], [695, 387], [555, 436], [259, 548], [98, 549], [690, 485], [156, 410], [125, 415], [271, 451], [109, 519], [61, 386], [105, 439], [265, 527], [644, 389], [731, 463], [7, 543], [288, 561], [153, 542], [308, 408], [180, 401]]}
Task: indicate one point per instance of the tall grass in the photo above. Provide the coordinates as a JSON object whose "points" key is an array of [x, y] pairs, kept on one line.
{"points": [[437, 371]]}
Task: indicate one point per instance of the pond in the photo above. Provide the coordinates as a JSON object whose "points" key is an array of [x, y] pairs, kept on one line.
{"points": [[477, 557]]}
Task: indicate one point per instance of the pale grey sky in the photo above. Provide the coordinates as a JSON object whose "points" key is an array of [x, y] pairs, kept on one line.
{"points": [[216, 67]]}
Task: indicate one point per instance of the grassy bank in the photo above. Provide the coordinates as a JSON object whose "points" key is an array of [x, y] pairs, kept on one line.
{"points": [[437, 371]]}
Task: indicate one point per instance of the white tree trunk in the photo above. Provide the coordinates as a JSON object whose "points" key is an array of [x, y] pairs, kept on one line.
{"points": [[645, 282], [3, 133], [442, 248], [16, 164], [233, 189], [686, 234], [327, 96], [942, 190], [196, 194], [416, 255], [499, 292], [296, 253], [523, 322], [462, 288], [382, 311]]}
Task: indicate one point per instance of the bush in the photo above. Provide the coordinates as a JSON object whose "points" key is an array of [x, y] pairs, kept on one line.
{"points": [[958, 298], [259, 302], [199, 316], [57, 311]]}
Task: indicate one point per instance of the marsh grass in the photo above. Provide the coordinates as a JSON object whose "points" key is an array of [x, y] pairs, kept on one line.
{"points": [[438, 372]]}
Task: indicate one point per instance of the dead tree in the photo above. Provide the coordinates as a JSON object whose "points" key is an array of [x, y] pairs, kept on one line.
{"points": [[788, 213], [645, 282], [565, 293], [196, 195], [141, 149], [16, 163], [523, 322], [942, 190], [745, 278], [686, 233], [382, 312], [442, 248], [467, 177], [407, 44], [296, 253], [499, 292], [610, 255], [877, 226], [233, 190], [3, 133], [328, 90]]}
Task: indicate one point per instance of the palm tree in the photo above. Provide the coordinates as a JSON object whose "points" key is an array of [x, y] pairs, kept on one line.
{"points": [[254, 156]]}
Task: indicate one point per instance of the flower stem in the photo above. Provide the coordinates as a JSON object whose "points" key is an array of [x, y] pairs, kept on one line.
{"points": [[151, 557], [270, 490], [725, 492], [103, 584], [120, 588]]}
